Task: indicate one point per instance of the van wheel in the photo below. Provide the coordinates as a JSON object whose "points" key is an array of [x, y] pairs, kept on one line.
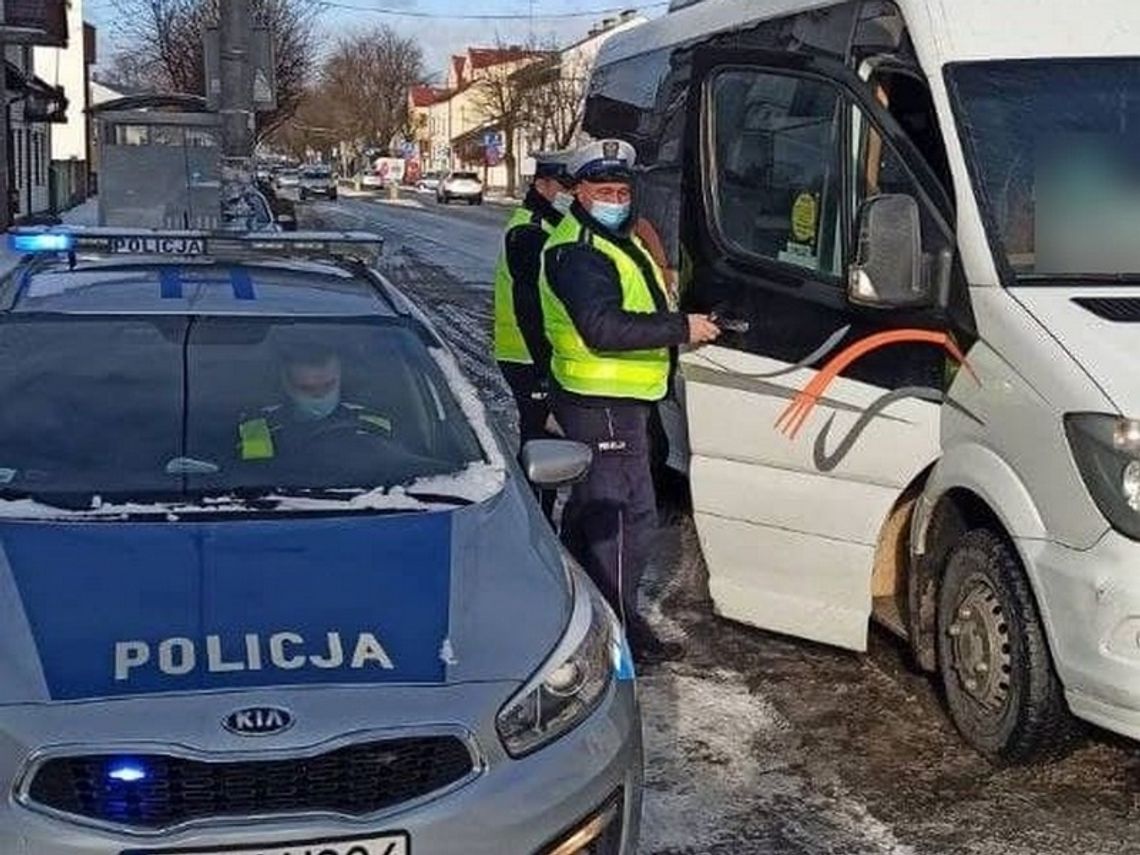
{"points": [[1001, 687]]}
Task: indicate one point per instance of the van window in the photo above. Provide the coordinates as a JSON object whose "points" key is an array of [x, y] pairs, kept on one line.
{"points": [[777, 181]]}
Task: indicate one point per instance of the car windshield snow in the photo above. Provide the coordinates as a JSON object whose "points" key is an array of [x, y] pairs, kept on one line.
{"points": [[165, 408]]}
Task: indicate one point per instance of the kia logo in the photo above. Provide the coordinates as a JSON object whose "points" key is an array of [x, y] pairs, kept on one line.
{"points": [[258, 721]]}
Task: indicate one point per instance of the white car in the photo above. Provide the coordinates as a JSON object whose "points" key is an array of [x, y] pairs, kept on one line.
{"points": [[430, 182], [370, 180], [460, 185]]}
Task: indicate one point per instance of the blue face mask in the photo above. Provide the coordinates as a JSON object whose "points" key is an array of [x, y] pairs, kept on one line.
{"points": [[313, 409], [612, 215]]}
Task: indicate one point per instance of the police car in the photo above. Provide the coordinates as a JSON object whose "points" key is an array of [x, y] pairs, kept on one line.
{"points": [[270, 584]]}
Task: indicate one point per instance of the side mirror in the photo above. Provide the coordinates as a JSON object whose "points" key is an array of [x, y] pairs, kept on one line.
{"points": [[553, 463], [890, 271], [287, 222]]}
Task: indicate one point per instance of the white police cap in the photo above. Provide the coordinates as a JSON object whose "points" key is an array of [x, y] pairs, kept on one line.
{"points": [[603, 159]]}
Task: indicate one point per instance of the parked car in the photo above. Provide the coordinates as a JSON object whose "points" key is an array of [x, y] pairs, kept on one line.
{"points": [[317, 180], [370, 180], [284, 210], [430, 182], [287, 179], [465, 186]]}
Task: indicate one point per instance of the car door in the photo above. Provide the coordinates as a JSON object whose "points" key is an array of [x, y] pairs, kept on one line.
{"points": [[807, 429]]}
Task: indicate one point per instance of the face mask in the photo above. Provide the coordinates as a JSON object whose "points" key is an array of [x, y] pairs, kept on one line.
{"points": [[612, 215], [562, 202], [314, 409]]}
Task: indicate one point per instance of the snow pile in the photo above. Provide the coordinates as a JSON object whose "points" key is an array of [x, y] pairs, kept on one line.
{"points": [[468, 398], [725, 771]]}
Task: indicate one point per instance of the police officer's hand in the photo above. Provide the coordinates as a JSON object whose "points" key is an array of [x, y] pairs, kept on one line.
{"points": [[702, 330]]}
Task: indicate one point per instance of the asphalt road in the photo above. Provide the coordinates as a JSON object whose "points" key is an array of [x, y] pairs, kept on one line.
{"points": [[763, 744]]}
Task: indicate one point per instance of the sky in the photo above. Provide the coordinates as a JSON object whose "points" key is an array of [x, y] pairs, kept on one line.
{"points": [[441, 33]]}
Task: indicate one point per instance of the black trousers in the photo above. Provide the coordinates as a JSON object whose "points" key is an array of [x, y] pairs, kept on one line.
{"points": [[609, 522], [533, 404]]}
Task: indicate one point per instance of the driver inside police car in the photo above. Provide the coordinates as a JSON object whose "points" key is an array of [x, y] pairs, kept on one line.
{"points": [[311, 412]]}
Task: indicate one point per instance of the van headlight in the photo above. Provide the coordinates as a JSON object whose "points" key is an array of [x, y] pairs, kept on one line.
{"points": [[1107, 451], [572, 682]]}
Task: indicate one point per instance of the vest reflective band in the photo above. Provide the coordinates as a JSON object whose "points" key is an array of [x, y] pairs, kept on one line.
{"points": [[510, 346], [642, 375], [256, 440]]}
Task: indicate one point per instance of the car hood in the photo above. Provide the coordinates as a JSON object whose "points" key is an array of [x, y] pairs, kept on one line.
{"points": [[123, 609], [1097, 327]]}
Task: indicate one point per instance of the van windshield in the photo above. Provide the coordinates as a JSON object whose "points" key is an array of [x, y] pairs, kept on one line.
{"points": [[1052, 146]]}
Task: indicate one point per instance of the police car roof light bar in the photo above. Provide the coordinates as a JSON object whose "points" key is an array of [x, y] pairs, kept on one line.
{"points": [[362, 246]]}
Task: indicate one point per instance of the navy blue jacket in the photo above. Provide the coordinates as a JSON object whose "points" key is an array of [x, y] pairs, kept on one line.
{"points": [[587, 283]]}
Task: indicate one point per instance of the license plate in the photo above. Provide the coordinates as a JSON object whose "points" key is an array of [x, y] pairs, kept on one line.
{"points": [[385, 844], [158, 246]]}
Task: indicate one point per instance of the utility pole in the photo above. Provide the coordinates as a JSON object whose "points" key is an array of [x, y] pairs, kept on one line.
{"points": [[235, 49]]}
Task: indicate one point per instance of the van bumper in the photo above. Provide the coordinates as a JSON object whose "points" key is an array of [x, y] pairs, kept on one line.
{"points": [[1090, 601]]}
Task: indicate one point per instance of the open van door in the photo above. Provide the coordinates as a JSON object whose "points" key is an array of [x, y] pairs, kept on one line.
{"points": [[820, 226]]}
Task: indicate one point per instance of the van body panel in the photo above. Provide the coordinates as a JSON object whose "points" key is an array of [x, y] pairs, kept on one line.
{"points": [[1092, 598], [1025, 383], [789, 527], [1098, 345]]}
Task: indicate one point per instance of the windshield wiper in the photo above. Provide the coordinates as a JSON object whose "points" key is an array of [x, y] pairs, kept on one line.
{"points": [[439, 498]]}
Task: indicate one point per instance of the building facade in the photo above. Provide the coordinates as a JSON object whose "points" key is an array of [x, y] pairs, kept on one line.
{"points": [[33, 106], [69, 68]]}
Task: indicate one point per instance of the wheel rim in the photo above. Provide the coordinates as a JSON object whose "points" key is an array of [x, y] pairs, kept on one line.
{"points": [[980, 647]]}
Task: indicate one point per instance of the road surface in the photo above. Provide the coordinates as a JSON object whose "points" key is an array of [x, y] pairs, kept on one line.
{"points": [[762, 744]]}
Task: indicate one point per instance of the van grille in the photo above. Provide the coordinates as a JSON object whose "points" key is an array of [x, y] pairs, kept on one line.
{"points": [[353, 781], [1125, 310]]}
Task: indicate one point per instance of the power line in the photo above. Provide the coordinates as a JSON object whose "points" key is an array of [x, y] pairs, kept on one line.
{"points": [[408, 13]]}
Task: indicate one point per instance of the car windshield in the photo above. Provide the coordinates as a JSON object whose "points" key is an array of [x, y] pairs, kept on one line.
{"points": [[465, 176], [316, 172], [181, 409], [1052, 147]]}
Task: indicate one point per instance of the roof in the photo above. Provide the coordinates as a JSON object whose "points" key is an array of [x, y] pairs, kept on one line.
{"points": [[488, 57], [200, 286], [943, 30], [425, 96], [154, 101]]}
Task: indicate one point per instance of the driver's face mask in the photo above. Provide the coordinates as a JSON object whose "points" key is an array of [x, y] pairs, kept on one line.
{"points": [[315, 407], [314, 391]]}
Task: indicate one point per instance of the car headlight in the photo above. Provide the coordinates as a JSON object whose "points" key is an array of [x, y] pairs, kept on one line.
{"points": [[569, 686], [1107, 451]]}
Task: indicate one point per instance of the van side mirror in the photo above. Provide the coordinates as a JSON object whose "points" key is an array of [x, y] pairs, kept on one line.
{"points": [[889, 271], [553, 463]]}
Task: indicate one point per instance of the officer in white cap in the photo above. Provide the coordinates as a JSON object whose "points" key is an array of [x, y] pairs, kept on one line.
{"points": [[613, 346], [521, 348]]}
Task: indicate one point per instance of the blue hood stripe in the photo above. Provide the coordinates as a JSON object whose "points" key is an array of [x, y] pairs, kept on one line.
{"points": [[137, 608]]}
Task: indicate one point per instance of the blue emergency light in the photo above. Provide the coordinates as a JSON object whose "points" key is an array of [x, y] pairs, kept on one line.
{"points": [[127, 773], [43, 242]]}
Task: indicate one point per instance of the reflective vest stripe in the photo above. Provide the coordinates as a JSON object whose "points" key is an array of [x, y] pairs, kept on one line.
{"points": [[641, 374], [256, 440], [379, 421], [510, 345]]}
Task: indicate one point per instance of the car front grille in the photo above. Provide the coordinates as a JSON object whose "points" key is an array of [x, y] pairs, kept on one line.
{"points": [[153, 792]]}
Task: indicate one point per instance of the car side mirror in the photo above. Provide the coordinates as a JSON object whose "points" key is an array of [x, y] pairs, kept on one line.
{"points": [[553, 463], [890, 270], [287, 222]]}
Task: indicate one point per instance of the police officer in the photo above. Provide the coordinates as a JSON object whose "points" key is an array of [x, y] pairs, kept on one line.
{"points": [[312, 426], [606, 314], [521, 348]]}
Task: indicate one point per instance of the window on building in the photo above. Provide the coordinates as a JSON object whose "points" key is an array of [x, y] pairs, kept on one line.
{"points": [[132, 134]]}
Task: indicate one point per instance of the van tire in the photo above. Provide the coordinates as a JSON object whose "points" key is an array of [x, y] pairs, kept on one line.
{"points": [[985, 596]]}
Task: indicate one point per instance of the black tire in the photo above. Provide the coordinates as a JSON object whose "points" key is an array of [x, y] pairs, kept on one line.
{"points": [[479, 201], [1015, 710], [443, 200], [472, 202], [332, 196]]}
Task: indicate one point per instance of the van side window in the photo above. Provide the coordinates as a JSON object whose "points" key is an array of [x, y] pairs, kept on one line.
{"points": [[777, 177]]}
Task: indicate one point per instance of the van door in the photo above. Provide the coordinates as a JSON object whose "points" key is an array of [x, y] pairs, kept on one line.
{"points": [[807, 429]]}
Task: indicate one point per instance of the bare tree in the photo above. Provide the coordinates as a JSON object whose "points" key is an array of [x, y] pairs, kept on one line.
{"points": [[363, 87], [501, 94], [165, 41], [554, 99]]}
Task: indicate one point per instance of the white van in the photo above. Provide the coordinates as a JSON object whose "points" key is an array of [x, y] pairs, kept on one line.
{"points": [[928, 214]]}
